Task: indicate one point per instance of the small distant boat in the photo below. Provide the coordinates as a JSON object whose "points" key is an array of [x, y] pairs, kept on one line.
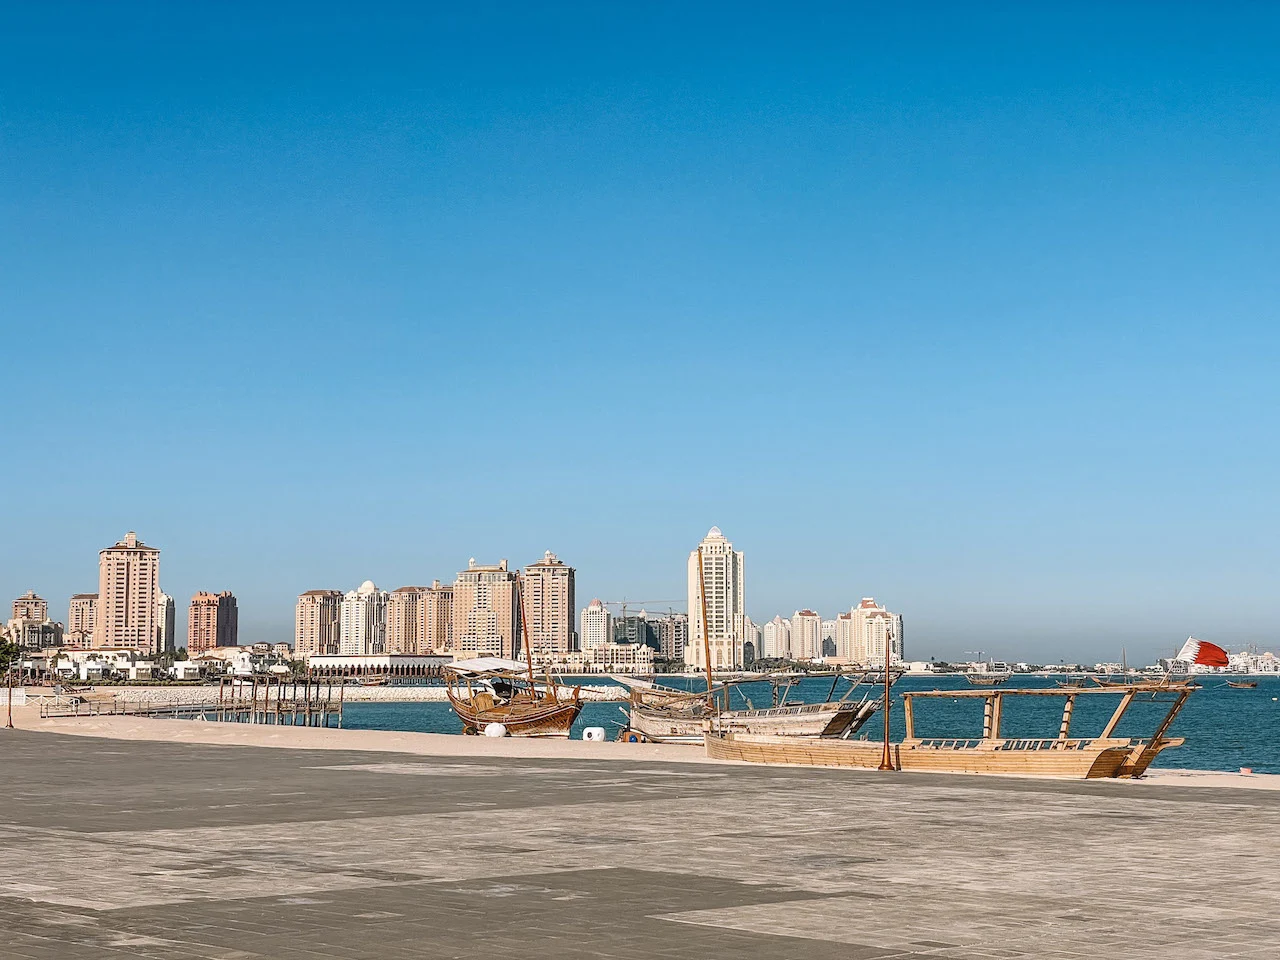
{"points": [[1242, 684], [987, 679]]}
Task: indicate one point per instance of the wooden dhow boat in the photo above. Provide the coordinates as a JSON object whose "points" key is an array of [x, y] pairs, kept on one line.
{"points": [[685, 718], [987, 679], [994, 752], [1242, 684], [489, 690]]}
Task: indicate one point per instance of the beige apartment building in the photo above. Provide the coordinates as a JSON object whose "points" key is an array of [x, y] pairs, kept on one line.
{"points": [[437, 613], [31, 607], [549, 604], [317, 623], [128, 595], [485, 611], [81, 616], [212, 621], [405, 619]]}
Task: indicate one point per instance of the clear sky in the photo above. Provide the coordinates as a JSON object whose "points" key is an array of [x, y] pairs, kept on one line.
{"points": [[969, 307]]}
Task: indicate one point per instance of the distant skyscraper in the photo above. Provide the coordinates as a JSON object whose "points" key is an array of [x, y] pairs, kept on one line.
{"points": [[806, 635], [213, 620], [317, 623], [724, 571], [872, 625], [128, 595], [30, 607], [406, 619], [81, 615], [634, 628], [485, 611], [597, 625], [777, 639], [673, 635], [363, 621], [549, 604], [828, 638], [166, 623]]}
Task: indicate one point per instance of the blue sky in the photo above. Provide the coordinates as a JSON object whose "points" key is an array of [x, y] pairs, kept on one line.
{"points": [[972, 308]]}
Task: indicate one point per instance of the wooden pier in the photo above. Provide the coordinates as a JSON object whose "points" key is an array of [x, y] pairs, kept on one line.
{"points": [[301, 703]]}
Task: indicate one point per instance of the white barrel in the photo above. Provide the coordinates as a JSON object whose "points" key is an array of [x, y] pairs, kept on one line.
{"points": [[495, 729], [593, 733]]}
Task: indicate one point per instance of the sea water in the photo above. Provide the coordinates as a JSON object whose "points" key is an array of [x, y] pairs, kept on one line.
{"points": [[1225, 728]]}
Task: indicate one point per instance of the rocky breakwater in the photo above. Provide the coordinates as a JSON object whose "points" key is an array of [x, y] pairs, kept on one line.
{"points": [[350, 693]]}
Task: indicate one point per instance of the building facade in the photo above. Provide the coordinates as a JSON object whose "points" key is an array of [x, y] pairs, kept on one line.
{"points": [[406, 620], [128, 596], [81, 616], [871, 627], [317, 623], [776, 639], [363, 622], [437, 613], [673, 635], [723, 580], [30, 607], [549, 603], [486, 611], [597, 625], [213, 620], [166, 621], [806, 635]]}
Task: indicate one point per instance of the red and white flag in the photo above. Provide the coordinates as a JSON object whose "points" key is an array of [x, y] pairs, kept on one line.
{"points": [[1203, 652]]}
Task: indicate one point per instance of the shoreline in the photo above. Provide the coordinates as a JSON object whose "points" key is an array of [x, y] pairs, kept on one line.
{"points": [[350, 694], [456, 745]]}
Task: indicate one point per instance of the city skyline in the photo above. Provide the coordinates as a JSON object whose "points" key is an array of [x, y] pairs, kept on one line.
{"points": [[623, 274]]}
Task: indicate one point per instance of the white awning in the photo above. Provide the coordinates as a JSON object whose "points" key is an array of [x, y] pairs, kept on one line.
{"points": [[487, 665]]}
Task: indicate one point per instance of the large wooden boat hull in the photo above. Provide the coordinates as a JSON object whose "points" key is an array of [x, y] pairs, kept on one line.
{"points": [[798, 720], [1072, 759], [522, 718]]}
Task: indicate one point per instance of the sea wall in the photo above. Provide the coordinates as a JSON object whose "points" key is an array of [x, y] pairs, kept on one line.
{"points": [[351, 694]]}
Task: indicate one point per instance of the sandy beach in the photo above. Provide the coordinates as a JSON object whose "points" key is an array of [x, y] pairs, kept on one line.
{"points": [[451, 745]]}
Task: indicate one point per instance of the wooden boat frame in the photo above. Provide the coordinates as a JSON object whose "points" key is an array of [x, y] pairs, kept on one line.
{"points": [[1103, 756]]}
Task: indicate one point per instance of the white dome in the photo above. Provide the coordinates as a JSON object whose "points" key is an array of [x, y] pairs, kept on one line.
{"points": [[714, 532], [367, 587]]}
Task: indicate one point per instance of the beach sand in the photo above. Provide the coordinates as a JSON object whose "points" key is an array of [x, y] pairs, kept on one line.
{"points": [[453, 745]]}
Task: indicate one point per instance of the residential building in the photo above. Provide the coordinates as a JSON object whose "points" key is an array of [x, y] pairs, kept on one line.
{"points": [[847, 638], [317, 623], [437, 613], [30, 607], [31, 634], [873, 626], [549, 603], [486, 611], [828, 638], [635, 628], [81, 616], [673, 635], [212, 621], [166, 615], [128, 595], [723, 580], [776, 639], [406, 619], [597, 626], [363, 621], [806, 635]]}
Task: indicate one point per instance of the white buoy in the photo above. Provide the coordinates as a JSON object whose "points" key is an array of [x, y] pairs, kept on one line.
{"points": [[593, 733], [495, 729]]}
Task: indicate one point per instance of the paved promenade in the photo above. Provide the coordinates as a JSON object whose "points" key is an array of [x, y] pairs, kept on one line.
{"points": [[123, 849]]}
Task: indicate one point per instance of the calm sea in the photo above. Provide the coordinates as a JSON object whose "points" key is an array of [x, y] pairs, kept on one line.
{"points": [[1225, 729]]}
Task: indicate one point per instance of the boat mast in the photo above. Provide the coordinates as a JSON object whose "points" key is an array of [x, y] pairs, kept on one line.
{"points": [[706, 631], [886, 759], [524, 630]]}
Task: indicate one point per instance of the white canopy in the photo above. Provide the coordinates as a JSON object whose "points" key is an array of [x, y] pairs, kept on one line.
{"points": [[487, 665]]}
